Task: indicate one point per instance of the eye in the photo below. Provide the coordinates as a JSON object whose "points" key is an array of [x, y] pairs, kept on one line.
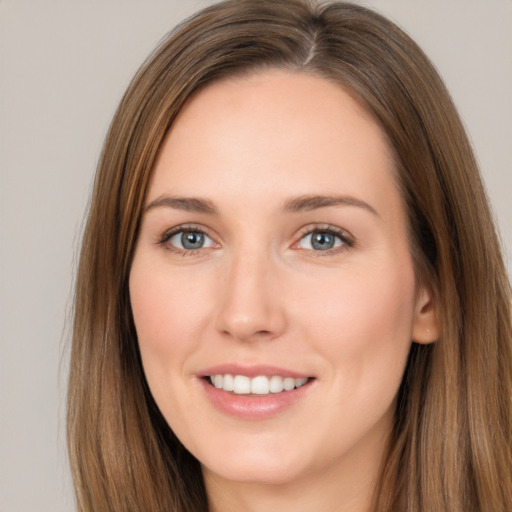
{"points": [[188, 240], [323, 240]]}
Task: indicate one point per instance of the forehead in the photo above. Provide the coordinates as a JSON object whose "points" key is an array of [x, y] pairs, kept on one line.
{"points": [[272, 130]]}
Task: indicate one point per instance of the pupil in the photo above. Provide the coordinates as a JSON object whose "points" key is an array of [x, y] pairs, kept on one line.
{"points": [[192, 240], [322, 241]]}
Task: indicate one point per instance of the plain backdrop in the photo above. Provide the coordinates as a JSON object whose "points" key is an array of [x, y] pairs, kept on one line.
{"points": [[64, 65]]}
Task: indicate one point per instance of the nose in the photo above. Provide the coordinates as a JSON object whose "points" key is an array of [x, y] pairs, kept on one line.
{"points": [[251, 305]]}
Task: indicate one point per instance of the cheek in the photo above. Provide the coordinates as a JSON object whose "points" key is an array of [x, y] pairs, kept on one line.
{"points": [[168, 320], [152, 307], [168, 312], [380, 301], [364, 326]]}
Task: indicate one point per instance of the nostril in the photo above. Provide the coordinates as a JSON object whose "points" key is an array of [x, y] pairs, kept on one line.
{"points": [[262, 333]]}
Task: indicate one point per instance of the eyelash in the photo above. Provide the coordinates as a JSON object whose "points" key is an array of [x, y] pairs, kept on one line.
{"points": [[164, 240], [347, 241]]}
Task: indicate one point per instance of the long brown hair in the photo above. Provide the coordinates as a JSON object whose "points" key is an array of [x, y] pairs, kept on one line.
{"points": [[451, 448]]}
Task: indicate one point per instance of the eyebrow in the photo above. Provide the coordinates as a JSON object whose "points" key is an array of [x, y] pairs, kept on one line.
{"points": [[295, 205], [313, 202], [189, 204]]}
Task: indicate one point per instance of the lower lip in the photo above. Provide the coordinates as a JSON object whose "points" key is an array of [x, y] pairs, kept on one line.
{"points": [[254, 407]]}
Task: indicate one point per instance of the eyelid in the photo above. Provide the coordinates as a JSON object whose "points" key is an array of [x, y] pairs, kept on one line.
{"points": [[346, 238], [170, 233]]}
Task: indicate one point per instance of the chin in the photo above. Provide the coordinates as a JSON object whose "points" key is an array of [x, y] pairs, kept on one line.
{"points": [[271, 473], [258, 466]]}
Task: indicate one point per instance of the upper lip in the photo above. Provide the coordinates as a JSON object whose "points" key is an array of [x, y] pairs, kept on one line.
{"points": [[251, 371]]}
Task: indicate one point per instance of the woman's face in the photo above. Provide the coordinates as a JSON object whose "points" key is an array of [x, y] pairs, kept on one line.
{"points": [[273, 254]]}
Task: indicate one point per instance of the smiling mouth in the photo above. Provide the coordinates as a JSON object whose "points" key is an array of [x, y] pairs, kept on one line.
{"points": [[260, 385]]}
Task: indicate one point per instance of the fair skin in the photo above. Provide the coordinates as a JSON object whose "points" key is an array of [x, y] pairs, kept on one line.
{"points": [[274, 244]]}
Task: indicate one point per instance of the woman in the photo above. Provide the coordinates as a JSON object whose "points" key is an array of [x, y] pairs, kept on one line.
{"points": [[286, 198]]}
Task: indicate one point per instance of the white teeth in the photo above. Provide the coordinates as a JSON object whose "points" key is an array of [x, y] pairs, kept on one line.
{"points": [[260, 385], [228, 384], [300, 382], [242, 385], [276, 384], [288, 383]]}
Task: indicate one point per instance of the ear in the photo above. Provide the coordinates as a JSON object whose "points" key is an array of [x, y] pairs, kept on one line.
{"points": [[426, 327]]}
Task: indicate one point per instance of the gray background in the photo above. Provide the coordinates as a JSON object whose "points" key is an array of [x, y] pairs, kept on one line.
{"points": [[63, 67]]}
